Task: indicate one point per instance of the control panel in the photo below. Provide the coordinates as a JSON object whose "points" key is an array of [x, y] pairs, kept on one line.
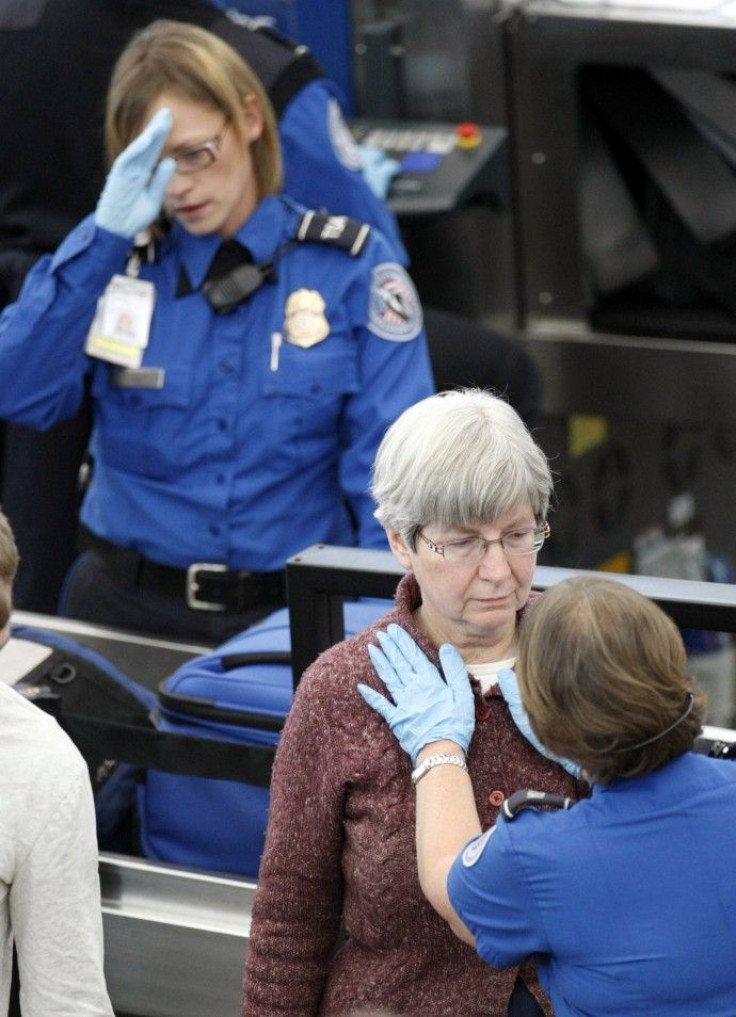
{"points": [[443, 165]]}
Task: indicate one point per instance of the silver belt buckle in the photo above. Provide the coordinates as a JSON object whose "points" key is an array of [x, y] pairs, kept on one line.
{"points": [[192, 586]]}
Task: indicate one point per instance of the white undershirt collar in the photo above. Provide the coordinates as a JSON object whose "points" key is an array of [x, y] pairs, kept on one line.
{"points": [[487, 674]]}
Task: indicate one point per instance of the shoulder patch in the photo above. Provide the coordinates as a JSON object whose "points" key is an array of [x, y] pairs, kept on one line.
{"points": [[473, 850], [339, 230], [342, 140], [395, 312]]}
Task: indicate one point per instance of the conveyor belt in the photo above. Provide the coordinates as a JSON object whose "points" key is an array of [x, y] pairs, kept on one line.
{"points": [[175, 938]]}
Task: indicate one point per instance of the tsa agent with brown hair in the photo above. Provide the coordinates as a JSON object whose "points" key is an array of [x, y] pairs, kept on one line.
{"points": [[627, 901], [56, 58], [271, 347]]}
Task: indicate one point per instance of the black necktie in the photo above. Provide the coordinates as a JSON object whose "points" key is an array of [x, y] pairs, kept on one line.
{"points": [[229, 256], [231, 278]]}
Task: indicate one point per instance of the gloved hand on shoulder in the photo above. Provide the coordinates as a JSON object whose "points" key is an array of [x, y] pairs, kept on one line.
{"points": [[423, 707], [509, 686], [136, 184]]}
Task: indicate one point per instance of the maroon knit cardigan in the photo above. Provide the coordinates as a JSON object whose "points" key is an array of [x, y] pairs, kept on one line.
{"points": [[339, 860]]}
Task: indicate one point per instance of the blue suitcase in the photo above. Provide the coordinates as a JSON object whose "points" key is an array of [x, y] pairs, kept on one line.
{"points": [[238, 693]]}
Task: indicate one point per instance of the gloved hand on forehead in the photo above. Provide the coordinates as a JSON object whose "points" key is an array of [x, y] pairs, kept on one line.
{"points": [[423, 707], [136, 184]]}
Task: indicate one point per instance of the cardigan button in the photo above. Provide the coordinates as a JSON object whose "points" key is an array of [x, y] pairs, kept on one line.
{"points": [[496, 798]]}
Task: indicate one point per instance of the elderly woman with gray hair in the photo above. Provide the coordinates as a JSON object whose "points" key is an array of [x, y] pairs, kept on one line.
{"points": [[339, 919]]}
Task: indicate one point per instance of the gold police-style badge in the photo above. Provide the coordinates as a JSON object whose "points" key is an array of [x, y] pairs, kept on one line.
{"points": [[305, 323]]}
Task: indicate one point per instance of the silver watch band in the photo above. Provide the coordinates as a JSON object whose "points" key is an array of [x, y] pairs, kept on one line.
{"points": [[439, 759]]}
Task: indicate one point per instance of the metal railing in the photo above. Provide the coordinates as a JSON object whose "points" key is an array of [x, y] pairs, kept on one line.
{"points": [[321, 577]]}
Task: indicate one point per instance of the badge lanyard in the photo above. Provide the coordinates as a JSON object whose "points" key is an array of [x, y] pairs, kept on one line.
{"points": [[121, 326]]}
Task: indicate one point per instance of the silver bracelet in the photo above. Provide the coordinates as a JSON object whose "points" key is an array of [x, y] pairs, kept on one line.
{"points": [[438, 760]]}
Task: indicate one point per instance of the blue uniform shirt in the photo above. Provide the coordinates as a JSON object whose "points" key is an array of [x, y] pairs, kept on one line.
{"points": [[249, 450], [627, 901]]}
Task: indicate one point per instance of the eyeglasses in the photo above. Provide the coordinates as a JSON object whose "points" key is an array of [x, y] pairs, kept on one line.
{"points": [[472, 550], [199, 157]]}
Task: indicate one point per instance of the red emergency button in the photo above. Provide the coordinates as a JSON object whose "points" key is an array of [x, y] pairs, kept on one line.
{"points": [[468, 135], [496, 798]]}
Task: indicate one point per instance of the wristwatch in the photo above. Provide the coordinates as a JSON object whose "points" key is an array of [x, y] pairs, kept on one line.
{"points": [[438, 760]]}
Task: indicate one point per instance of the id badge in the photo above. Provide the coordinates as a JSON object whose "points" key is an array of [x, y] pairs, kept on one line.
{"points": [[122, 322]]}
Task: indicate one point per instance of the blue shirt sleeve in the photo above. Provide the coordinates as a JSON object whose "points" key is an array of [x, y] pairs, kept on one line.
{"points": [[42, 334], [322, 167], [487, 889]]}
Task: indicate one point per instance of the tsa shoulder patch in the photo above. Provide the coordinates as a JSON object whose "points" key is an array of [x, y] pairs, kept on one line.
{"points": [[475, 848], [394, 312]]}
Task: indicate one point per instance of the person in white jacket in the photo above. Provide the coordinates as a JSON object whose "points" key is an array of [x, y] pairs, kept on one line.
{"points": [[49, 882]]}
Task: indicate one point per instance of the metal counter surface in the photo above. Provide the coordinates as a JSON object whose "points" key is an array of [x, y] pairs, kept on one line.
{"points": [[175, 938]]}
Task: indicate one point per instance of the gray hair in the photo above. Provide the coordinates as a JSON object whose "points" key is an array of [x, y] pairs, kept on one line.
{"points": [[455, 459]]}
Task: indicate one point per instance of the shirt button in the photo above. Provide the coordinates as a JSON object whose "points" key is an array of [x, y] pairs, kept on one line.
{"points": [[496, 798], [227, 366]]}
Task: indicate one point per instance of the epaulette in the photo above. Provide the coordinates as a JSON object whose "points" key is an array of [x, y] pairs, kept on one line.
{"points": [[339, 230]]}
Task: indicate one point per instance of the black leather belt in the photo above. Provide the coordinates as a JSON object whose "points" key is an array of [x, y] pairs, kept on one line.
{"points": [[204, 586]]}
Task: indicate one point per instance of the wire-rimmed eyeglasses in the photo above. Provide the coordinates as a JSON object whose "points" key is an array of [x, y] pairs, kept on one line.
{"points": [[200, 157], [472, 549]]}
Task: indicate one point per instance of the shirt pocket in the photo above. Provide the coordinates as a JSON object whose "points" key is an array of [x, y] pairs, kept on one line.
{"points": [[309, 387], [303, 404], [145, 431]]}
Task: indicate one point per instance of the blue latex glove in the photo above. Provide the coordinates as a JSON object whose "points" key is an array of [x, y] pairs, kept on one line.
{"points": [[509, 686], [135, 186], [425, 708], [378, 168]]}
